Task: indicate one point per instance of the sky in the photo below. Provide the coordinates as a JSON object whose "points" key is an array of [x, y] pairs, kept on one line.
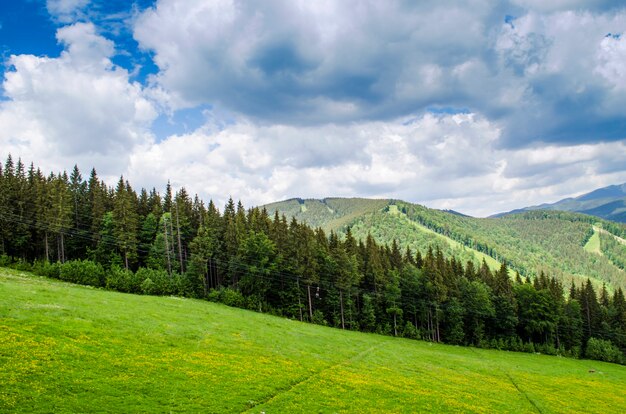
{"points": [[480, 106]]}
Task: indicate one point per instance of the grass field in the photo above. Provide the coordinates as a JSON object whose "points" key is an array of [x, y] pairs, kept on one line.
{"points": [[593, 244], [66, 348]]}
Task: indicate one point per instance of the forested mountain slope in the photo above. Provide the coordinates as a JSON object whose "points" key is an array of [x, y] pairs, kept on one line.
{"points": [[607, 202], [529, 242], [328, 213]]}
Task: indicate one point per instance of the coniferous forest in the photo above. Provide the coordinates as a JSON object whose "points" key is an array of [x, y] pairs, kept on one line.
{"points": [[80, 230]]}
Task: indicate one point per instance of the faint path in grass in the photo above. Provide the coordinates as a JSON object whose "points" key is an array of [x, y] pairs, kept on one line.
{"points": [[517, 387], [290, 387], [520, 390]]}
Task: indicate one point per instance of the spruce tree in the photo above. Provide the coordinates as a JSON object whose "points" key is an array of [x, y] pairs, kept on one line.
{"points": [[126, 222]]}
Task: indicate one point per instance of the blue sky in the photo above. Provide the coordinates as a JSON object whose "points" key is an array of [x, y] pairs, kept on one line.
{"points": [[480, 106]]}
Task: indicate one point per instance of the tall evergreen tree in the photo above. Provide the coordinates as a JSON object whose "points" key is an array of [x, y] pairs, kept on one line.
{"points": [[126, 222]]}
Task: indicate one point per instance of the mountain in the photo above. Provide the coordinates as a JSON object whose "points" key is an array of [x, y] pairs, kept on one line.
{"points": [[529, 242], [608, 203]]}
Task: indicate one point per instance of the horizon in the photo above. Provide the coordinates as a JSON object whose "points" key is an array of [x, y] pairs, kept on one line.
{"points": [[480, 108]]}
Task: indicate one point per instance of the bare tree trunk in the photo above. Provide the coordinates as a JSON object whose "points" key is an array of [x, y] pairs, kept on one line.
{"points": [[171, 233], [437, 323], [350, 309], [180, 247], [558, 341], [395, 325], [343, 325], [308, 287], [47, 247], [167, 249], [299, 302], [431, 331], [62, 249], [209, 275], [588, 315]]}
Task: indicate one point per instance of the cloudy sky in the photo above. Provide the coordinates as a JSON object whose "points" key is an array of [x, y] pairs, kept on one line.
{"points": [[480, 106]]}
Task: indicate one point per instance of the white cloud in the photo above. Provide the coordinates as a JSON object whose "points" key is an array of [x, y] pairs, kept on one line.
{"points": [[321, 98], [567, 74], [446, 161], [77, 107], [302, 61], [66, 11], [540, 76], [611, 58], [559, 5]]}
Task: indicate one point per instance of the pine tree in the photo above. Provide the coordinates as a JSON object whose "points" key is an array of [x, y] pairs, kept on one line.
{"points": [[232, 238], [347, 278], [258, 254], [59, 216], [126, 221], [97, 199], [505, 306], [203, 248], [181, 220], [393, 295], [76, 245], [590, 311]]}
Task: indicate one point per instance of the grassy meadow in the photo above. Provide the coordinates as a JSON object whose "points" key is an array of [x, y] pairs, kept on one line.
{"points": [[67, 348]]}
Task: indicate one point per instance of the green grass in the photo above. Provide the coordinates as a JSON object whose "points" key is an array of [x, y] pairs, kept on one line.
{"points": [[593, 245], [66, 348]]}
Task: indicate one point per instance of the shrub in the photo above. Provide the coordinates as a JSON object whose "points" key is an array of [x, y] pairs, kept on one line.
{"points": [[5, 261], [318, 319], [22, 265], [528, 347], [228, 297], [514, 344], [84, 272], [409, 331], [47, 269], [163, 283], [603, 350], [547, 349], [147, 287], [120, 279]]}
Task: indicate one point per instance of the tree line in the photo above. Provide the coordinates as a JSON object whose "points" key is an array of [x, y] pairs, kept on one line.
{"points": [[84, 231]]}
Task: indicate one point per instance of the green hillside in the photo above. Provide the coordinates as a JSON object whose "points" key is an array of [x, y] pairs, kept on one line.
{"points": [[66, 348], [328, 213], [530, 242]]}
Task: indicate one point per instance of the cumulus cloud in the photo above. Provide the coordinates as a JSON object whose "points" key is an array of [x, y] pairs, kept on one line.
{"points": [[560, 5], [443, 161], [306, 62], [446, 103], [76, 106], [66, 11], [570, 72], [548, 74]]}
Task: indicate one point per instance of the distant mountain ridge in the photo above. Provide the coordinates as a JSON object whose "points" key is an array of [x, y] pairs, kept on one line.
{"points": [[530, 242], [608, 203]]}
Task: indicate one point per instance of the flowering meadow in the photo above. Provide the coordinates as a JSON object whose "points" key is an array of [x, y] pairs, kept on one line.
{"points": [[70, 348]]}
